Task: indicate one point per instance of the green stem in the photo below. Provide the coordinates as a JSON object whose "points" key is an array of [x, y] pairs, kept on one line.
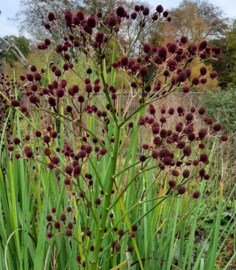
{"points": [[109, 179], [121, 95]]}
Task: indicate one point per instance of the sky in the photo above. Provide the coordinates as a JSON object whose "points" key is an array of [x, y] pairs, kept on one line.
{"points": [[9, 8]]}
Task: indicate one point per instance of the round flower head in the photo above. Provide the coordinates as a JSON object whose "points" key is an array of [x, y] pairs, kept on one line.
{"points": [[186, 89], [77, 170], [186, 174], [159, 9], [17, 156], [10, 148], [16, 141], [165, 14], [112, 20], [33, 68], [49, 235], [49, 218], [67, 181], [201, 146], [68, 169], [196, 195], [184, 40], [97, 201], [217, 127], [124, 61], [213, 75], [202, 133], [202, 172], [120, 11], [146, 11], [117, 246], [203, 157], [203, 71], [146, 48], [47, 152], [143, 71], [224, 138], [55, 160], [181, 190], [172, 184], [154, 154], [201, 111], [172, 47], [202, 45], [133, 15]]}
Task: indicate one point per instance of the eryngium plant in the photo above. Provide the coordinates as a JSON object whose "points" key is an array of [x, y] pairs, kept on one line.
{"points": [[105, 214]]}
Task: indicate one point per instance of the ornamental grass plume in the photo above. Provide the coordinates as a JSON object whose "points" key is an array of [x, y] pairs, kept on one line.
{"points": [[88, 171]]}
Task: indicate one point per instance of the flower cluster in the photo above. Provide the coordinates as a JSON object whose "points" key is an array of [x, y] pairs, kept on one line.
{"points": [[180, 151], [175, 149]]}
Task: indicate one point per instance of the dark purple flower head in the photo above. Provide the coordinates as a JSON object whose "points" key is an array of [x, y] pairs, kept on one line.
{"points": [[33, 68], [143, 71], [162, 52], [10, 148], [29, 77], [146, 11], [201, 146], [117, 247], [159, 9], [201, 111], [224, 138], [202, 45], [137, 8], [124, 61], [182, 78], [192, 49], [187, 151], [47, 152], [97, 201], [120, 11], [51, 16], [202, 172], [102, 152], [202, 133], [77, 170], [203, 158], [91, 22], [196, 195], [112, 20], [55, 160], [181, 190], [181, 144], [165, 14], [60, 92], [217, 127], [167, 161], [154, 154], [203, 71], [130, 249], [195, 81], [16, 141], [184, 40], [172, 47], [186, 89], [172, 184], [63, 217], [57, 72], [133, 15], [146, 48], [213, 75]]}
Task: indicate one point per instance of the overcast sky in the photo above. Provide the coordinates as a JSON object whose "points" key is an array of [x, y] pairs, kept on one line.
{"points": [[9, 8]]}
